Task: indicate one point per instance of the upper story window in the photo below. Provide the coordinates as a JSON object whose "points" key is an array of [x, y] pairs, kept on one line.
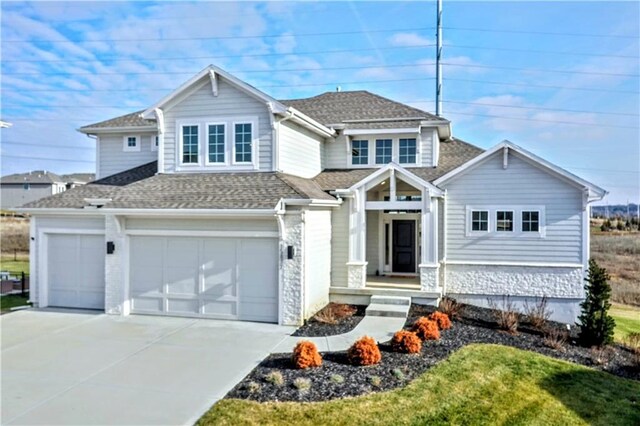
{"points": [[216, 143], [479, 221], [131, 143], [384, 151], [190, 144], [407, 151], [26, 186], [530, 221], [360, 152], [243, 138], [504, 221]]}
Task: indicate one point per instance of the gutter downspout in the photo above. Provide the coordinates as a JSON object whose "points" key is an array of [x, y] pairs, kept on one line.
{"points": [[444, 244]]}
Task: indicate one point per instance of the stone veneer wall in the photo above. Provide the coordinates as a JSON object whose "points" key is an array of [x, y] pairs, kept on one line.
{"points": [[292, 270], [113, 264]]}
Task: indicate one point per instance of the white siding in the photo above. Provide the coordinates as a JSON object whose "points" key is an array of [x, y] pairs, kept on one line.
{"points": [[253, 224], [230, 102], [317, 263], [520, 184], [339, 245], [112, 158], [336, 154], [14, 195], [300, 150], [426, 146], [373, 247]]}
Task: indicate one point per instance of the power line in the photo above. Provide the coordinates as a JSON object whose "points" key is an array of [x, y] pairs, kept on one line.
{"points": [[544, 121], [537, 108], [158, 39], [48, 159], [549, 52], [493, 30], [502, 83], [256, 55], [541, 70], [47, 146]]}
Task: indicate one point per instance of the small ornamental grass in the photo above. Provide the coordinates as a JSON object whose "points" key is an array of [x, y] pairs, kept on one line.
{"points": [[334, 312], [442, 319], [306, 355], [426, 329], [364, 351], [275, 378], [406, 342], [302, 384], [337, 379], [376, 381], [451, 307]]}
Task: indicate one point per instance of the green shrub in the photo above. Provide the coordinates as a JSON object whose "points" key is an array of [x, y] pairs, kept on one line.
{"points": [[596, 325]]}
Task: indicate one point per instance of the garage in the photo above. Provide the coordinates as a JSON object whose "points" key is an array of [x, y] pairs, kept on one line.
{"points": [[75, 271], [209, 277]]}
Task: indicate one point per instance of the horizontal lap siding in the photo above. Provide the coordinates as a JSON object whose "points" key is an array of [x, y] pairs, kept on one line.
{"points": [[114, 160], [230, 102], [372, 242], [317, 252], [426, 146], [520, 184], [300, 150], [336, 155], [339, 245]]}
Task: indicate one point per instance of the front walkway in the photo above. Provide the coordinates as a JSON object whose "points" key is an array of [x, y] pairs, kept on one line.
{"points": [[87, 368]]}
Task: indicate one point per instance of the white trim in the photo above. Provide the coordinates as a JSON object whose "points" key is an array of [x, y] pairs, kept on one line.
{"points": [[189, 233], [393, 205], [435, 148], [207, 145], [125, 143], [97, 157], [121, 129], [505, 263], [152, 140], [517, 232], [43, 242], [214, 82], [180, 125], [153, 212], [350, 153], [595, 192], [355, 132], [254, 142], [161, 128], [405, 174], [34, 259]]}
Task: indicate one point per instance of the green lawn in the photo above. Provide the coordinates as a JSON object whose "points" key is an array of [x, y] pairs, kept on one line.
{"points": [[12, 300], [479, 384], [14, 266], [627, 320]]}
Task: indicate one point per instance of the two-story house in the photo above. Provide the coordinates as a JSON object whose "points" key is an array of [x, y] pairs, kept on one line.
{"points": [[220, 201]]}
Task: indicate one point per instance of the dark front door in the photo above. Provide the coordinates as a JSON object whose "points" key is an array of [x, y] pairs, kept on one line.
{"points": [[404, 246]]}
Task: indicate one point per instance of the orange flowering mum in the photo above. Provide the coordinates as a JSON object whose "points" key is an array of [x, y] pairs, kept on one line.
{"points": [[426, 329], [364, 351], [306, 355], [406, 341], [442, 319]]}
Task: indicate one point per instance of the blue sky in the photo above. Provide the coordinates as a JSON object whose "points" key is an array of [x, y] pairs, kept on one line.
{"points": [[557, 78]]}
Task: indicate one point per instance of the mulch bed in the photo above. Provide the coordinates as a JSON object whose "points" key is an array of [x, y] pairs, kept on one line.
{"points": [[395, 370], [313, 328]]}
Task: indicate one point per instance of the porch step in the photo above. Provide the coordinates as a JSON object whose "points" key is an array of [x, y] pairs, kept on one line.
{"points": [[390, 300], [389, 306]]}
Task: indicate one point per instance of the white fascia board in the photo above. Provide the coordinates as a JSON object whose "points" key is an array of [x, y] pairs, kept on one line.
{"points": [[234, 81], [380, 174], [594, 191], [355, 132], [127, 129], [308, 122], [311, 202], [152, 212]]}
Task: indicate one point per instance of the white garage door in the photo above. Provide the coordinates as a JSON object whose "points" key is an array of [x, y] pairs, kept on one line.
{"points": [[231, 278], [75, 271]]}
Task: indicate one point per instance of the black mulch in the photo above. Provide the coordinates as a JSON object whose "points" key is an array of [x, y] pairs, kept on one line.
{"points": [[476, 326], [313, 328]]}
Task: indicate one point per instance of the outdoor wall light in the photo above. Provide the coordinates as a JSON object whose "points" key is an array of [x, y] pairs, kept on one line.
{"points": [[290, 252], [111, 247]]}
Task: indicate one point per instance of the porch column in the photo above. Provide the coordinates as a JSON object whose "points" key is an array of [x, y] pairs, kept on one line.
{"points": [[429, 266], [357, 265]]}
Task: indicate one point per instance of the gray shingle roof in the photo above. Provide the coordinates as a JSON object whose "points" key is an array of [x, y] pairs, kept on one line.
{"points": [[79, 177], [34, 177], [127, 120], [338, 107], [452, 154], [141, 188]]}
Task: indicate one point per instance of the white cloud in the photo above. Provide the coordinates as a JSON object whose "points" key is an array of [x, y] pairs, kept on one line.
{"points": [[409, 39]]}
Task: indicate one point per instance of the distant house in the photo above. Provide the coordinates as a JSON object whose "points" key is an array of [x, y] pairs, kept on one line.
{"points": [[22, 188]]}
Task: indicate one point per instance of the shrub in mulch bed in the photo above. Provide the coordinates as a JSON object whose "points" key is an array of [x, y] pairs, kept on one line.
{"points": [[406, 342], [338, 378], [306, 355], [442, 319], [346, 317], [426, 329], [364, 351]]}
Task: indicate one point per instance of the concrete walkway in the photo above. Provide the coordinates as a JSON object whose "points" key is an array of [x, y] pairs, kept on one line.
{"points": [[380, 328], [82, 368]]}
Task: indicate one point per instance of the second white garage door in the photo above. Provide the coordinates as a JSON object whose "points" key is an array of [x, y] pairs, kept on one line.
{"points": [[230, 278]]}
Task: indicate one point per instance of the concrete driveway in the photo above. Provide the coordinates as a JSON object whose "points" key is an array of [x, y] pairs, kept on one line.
{"points": [[62, 367]]}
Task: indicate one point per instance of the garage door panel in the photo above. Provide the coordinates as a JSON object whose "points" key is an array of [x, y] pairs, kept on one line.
{"points": [[182, 280], [220, 307], [148, 280], [75, 270], [146, 305], [258, 279], [183, 306]]}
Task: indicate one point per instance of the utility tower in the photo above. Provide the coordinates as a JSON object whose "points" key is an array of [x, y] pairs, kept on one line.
{"points": [[438, 59]]}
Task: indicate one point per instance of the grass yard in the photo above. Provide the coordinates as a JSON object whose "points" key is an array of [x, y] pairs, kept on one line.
{"points": [[11, 301], [619, 253], [627, 320], [21, 264], [479, 384]]}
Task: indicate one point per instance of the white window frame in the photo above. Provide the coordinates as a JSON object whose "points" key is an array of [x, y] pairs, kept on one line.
{"points": [[375, 154], [470, 230], [254, 142], [125, 143], [226, 150], [397, 143], [513, 220], [181, 126], [153, 140], [517, 232], [368, 164]]}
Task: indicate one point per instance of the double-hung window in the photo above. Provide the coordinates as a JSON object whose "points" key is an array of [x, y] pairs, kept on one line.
{"points": [[530, 221], [504, 221], [216, 141], [383, 151], [190, 144], [360, 152], [480, 221], [407, 151], [243, 137], [131, 143]]}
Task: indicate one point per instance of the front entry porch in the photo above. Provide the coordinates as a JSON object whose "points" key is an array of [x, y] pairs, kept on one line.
{"points": [[393, 231]]}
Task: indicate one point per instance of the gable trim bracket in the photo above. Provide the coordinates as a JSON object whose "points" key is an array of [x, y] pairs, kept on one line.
{"points": [[214, 82]]}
